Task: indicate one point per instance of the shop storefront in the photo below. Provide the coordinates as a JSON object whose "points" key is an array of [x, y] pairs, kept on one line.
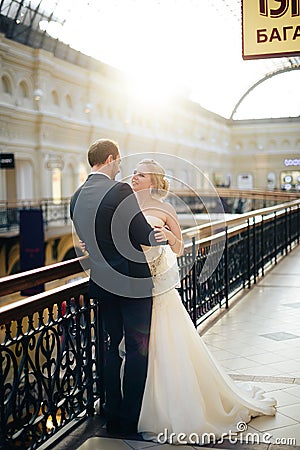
{"points": [[290, 177]]}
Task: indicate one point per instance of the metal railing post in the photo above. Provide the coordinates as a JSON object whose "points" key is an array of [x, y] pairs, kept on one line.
{"points": [[7, 217], [66, 212], [226, 268], [45, 209], [89, 360], [194, 282], [298, 224], [254, 252], [286, 231], [275, 237], [262, 243], [248, 254], [290, 228], [100, 355]]}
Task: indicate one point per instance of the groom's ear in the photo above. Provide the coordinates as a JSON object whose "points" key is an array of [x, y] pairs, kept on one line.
{"points": [[109, 159]]}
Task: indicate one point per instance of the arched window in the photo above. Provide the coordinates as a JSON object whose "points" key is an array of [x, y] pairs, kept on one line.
{"points": [[55, 98], [286, 144], [69, 101], [56, 185], [6, 85], [271, 180], [245, 181], [82, 173], [23, 89], [24, 180], [68, 181]]}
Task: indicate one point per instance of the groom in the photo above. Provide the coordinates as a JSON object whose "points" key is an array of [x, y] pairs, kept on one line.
{"points": [[108, 219]]}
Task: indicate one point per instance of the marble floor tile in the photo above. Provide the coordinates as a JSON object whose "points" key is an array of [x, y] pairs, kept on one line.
{"points": [[285, 399], [294, 390], [265, 423], [100, 443], [267, 358], [281, 435], [140, 445], [292, 411]]}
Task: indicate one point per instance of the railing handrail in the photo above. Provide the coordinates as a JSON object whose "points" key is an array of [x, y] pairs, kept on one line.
{"points": [[19, 308], [34, 202], [208, 240], [230, 222], [222, 192], [239, 193], [45, 274]]}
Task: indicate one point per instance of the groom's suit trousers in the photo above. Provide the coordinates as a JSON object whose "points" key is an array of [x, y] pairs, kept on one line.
{"points": [[124, 394]]}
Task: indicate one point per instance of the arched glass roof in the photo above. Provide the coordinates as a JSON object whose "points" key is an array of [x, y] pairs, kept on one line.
{"points": [[189, 46]]}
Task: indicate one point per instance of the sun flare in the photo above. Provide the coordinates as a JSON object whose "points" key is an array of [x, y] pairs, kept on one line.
{"points": [[148, 90], [167, 48]]}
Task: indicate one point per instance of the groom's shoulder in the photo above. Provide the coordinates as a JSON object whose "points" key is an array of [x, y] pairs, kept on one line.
{"points": [[122, 186], [112, 189], [77, 192]]}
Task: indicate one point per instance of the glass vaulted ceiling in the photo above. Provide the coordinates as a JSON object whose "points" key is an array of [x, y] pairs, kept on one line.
{"points": [[193, 46]]}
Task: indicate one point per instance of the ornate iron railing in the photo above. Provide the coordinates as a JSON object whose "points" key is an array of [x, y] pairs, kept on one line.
{"points": [[221, 265], [54, 212], [46, 370], [47, 358], [52, 344]]}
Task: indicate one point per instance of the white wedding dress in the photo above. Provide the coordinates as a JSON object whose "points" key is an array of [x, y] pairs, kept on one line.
{"points": [[186, 390]]}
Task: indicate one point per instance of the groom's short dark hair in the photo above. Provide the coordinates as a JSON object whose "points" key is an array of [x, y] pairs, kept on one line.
{"points": [[100, 150]]}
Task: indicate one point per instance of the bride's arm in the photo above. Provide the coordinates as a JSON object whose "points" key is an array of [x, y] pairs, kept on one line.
{"points": [[172, 230]]}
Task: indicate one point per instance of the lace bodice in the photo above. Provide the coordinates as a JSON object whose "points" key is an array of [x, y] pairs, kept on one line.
{"points": [[162, 262]]}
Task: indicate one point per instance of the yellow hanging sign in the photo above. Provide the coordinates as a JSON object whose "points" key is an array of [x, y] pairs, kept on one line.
{"points": [[270, 28]]}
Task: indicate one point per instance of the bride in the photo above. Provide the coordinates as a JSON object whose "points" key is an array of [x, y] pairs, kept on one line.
{"points": [[186, 392]]}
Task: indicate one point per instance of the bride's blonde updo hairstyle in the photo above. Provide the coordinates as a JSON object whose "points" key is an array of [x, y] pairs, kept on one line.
{"points": [[160, 183]]}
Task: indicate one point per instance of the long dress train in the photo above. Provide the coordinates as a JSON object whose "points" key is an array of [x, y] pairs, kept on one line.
{"points": [[186, 390]]}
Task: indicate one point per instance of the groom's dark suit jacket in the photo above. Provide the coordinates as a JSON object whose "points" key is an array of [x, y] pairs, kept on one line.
{"points": [[108, 219]]}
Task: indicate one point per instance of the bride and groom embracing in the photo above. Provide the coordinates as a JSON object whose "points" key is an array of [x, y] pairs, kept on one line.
{"points": [[167, 382]]}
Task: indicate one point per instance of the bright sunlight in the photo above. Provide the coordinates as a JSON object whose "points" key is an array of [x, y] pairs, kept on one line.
{"points": [[167, 47], [155, 42]]}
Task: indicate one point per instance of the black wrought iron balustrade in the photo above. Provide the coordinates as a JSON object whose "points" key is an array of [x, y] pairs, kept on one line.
{"points": [[54, 212], [9, 217], [210, 277], [47, 365], [223, 264]]}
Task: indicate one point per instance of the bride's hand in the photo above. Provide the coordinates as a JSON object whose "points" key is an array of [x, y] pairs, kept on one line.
{"points": [[159, 233], [162, 234], [82, 246]]}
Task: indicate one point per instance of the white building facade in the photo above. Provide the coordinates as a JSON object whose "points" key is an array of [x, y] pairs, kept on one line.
{"points": [[53, 108]]}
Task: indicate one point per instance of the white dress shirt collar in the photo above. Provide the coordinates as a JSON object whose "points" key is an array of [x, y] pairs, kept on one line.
{"points": [[100, 173]]}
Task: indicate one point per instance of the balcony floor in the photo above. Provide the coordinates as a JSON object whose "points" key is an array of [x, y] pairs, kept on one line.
{"points": [[268, 358]]}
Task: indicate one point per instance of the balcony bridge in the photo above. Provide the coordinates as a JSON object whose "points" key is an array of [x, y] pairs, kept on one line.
{"points": [[193, 207], [52, 343]]}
